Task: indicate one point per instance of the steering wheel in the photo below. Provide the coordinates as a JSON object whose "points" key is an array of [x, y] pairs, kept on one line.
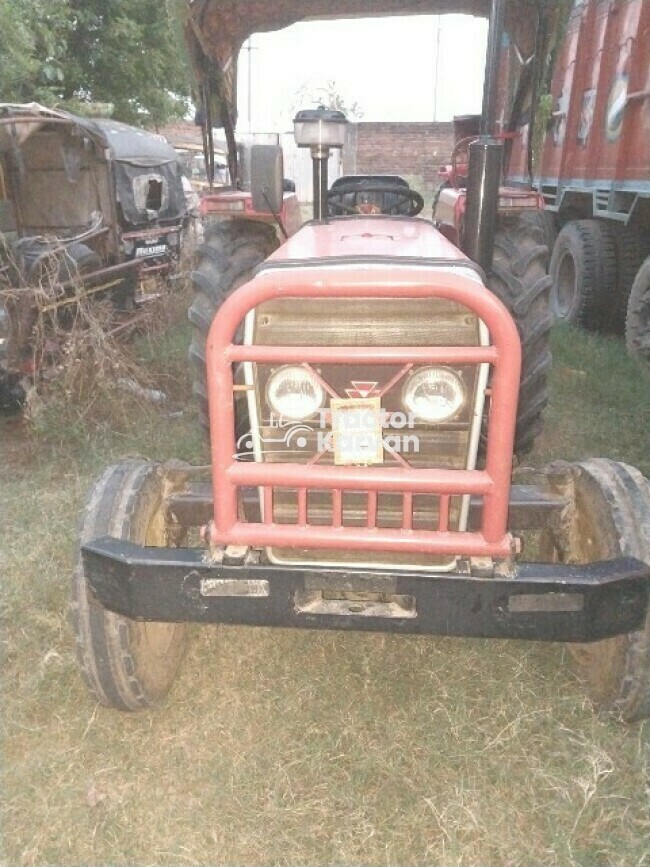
{"points": [[404, 194]]}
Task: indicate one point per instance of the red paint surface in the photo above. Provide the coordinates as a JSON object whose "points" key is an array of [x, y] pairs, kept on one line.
{"points": [[605, 51], [375, 283], [239, 206], [368, 236]]}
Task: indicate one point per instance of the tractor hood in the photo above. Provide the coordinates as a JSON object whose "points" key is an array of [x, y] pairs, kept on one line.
{"points": [[359, 242]]}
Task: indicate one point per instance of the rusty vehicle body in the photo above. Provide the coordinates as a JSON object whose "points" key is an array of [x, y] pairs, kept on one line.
{"points": [[313, 351], [94, 201]]}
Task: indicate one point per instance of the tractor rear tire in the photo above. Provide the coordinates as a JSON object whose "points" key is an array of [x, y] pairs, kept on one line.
{"points": [[637, 327], [126, 664], [544, 220], [613, 519], [225, 260], [584, 273], [519, 279]]}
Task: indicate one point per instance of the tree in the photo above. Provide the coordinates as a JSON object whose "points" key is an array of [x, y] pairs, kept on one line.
{"points": [[32, 45], [128, 53], [16, 52], [328, 95]]}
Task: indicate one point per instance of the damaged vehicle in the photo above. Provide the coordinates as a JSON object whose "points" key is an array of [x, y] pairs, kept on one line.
{"points": [[87, 207]]}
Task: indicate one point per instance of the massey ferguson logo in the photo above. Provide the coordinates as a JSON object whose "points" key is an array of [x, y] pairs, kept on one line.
{"points": [[363, 389]]}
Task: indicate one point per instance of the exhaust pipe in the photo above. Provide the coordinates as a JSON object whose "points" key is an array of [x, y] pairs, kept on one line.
{"points": [[320, 158], [482, 211], [486, 157]]}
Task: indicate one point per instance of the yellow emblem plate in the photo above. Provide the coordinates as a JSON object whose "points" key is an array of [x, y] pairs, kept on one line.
{"points": [[357, 431]]}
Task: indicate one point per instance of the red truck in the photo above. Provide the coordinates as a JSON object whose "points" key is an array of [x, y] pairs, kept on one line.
{"points": [[593, 167]]}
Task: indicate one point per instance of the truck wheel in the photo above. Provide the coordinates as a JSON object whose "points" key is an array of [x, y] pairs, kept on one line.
{"points": [[613, 519], [520, 281], [225, 260], [637, 327], [584, 273], [631, 249], [127, 665]]}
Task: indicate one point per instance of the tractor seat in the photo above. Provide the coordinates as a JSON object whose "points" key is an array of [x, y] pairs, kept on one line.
{"points": [[360, 193]]}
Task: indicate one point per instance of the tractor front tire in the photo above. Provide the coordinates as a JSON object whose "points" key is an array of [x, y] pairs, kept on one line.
{"points": [[519, 279], [612, 502], [637, 326], [225, 260], [126, 664]]}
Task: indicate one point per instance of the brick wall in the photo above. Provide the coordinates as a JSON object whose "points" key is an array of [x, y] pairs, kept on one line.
{"points": [[412, 150]]}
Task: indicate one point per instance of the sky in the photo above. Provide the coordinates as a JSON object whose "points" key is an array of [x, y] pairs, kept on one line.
{"points": [[385, 65]]}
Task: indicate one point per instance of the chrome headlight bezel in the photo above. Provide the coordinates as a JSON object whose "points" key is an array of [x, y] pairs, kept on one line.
{"points": [[437, 414], [300, 373]]}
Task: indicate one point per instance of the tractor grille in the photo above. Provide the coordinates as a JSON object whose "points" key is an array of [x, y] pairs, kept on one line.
{"points": [[353, 322]]}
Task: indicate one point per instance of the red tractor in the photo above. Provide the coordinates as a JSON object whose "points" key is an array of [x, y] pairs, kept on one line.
{"points": [[366, 383]]}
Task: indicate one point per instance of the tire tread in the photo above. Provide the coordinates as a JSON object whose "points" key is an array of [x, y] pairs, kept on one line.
{"points": [[627, 493], [637, 326], [226, 259], [102, 638], [520, 281]]}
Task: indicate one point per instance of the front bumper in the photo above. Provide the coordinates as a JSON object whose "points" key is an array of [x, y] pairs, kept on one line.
{"points": [[541, 602]]}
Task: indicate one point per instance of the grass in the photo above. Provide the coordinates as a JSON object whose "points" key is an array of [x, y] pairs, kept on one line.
{"points": [[282, 747], [600, 403]]}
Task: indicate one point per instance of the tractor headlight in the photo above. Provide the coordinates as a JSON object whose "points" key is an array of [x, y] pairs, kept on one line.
{"points": [[435, 394], [294, 393]]}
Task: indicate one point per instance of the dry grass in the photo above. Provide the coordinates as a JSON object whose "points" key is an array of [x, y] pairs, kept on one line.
{"points": [[83, 343], [280, 747]]}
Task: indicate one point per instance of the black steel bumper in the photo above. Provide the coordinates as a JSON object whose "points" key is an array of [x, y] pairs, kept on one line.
{"points": [[541, 602]]}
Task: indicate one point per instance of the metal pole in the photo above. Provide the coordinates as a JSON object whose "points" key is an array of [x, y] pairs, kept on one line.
{"points": [[436, 70], [320, 157], [249, 48], [486, 156]]}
